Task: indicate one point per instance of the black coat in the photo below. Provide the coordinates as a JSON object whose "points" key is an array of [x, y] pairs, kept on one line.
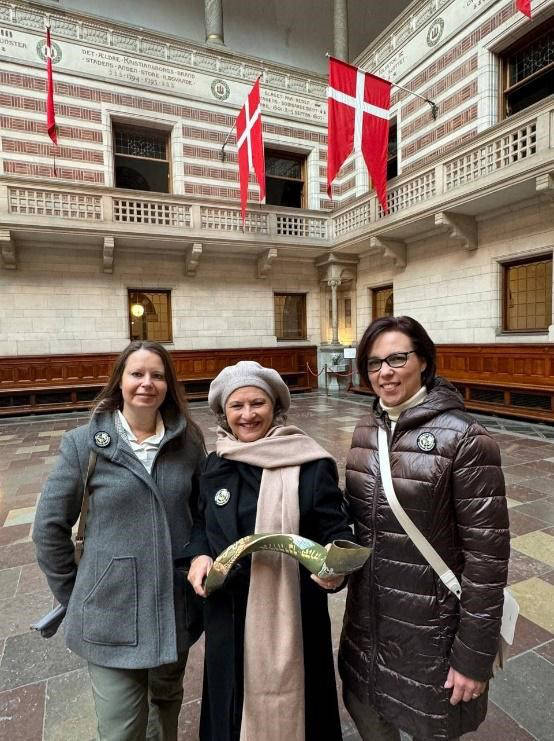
{"points": [[402, 627], [321, 519]]}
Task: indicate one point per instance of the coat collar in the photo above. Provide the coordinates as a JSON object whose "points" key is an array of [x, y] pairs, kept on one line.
{"points": [[442, 397], [105, 440], [223, 474]]}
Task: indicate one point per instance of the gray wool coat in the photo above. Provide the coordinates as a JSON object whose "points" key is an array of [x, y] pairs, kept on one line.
{"points": [[125, 608]]}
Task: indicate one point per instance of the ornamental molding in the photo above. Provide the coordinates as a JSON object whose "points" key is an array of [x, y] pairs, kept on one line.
{"points": [[266, 261], [192, 259], [544, 185], [417, 33], [460, 228], [393, 249], [8, 252], [218, 63], [108, 254]]}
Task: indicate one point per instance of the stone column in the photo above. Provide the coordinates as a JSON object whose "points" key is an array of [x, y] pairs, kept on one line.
{"points": [[334, 284], [213, 14], [340, 29]]}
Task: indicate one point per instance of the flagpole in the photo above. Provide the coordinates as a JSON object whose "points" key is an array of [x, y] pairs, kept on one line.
{"points": [[434, 106], [225, 144]]}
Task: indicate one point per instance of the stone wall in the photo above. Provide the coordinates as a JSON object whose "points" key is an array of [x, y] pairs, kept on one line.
{"points": [[456, 295], [53, 304]]}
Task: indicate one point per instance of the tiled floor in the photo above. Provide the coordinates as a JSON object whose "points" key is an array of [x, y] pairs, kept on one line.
{"points": [[44, 689]]}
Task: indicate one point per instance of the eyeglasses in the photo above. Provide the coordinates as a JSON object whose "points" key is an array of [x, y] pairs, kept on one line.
{"points": [[396, 360]]}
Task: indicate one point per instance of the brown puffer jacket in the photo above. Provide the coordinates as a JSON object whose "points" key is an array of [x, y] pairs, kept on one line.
{"points": [[402, 627]]}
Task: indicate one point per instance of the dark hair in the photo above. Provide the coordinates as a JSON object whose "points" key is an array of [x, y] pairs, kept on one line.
{"points": [[423, 344], [111, 398]]}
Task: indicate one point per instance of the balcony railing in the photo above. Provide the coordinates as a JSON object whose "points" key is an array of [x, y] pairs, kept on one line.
{"points": [[522, 142], [518, 148]]}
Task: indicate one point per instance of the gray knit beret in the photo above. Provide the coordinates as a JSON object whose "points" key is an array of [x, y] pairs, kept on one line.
{"points": [[247, 373]]}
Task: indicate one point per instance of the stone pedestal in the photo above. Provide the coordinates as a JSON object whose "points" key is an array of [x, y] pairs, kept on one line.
{"points": [[332, 355]]}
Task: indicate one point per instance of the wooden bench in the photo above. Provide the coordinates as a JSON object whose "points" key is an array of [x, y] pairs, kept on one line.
{"points": [[514, 380], [39, 384]]}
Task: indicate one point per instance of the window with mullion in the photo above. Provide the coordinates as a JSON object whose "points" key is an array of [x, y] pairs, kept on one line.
{"points": [[284, 178], [528, 70], [527, 295], [382, 302], [141, 158], [290, 316]]}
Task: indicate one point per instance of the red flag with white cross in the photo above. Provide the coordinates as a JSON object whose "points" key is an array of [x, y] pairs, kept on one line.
{"points": [[50, 110], [250, 146], [358, 106], [524, 6]]}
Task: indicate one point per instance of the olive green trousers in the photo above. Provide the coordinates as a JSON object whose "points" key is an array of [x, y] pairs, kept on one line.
{"points": [[138, 704]]}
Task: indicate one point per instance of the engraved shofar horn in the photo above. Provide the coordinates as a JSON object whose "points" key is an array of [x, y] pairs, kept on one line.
{"points": [[343, 557]]}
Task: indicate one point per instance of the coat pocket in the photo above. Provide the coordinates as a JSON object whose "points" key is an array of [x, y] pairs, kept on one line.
{"points": [[110, 610]]}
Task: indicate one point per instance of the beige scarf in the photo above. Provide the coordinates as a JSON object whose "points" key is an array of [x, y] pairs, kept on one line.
{"points": [[273, 706]]}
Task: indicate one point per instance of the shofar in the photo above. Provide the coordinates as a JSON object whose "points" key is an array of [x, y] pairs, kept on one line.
{"points": [[343, 557]]}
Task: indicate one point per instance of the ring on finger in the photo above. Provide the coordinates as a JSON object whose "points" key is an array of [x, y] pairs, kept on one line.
{"points": [[475, 695]]}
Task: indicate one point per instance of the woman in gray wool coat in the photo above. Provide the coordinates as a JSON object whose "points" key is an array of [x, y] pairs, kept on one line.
{"points": [[127, 602]]}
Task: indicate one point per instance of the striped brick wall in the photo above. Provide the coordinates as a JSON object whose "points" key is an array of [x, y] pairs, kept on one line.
{"points": [[79, 111], [449, 77]]}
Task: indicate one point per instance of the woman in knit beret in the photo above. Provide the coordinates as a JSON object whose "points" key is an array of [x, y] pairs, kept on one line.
{"points": [[269, 666]]}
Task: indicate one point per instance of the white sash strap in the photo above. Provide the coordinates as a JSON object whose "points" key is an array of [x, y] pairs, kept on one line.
{"points": [[446, 575]]}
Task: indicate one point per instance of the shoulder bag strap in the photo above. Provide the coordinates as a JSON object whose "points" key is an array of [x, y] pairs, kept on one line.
{"points": [[80, 538], [445, 574]]}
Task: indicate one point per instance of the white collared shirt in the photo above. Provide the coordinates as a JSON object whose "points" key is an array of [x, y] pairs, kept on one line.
{"points": [[147, 450]]}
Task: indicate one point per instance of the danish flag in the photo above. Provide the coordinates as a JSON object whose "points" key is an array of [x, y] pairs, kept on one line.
{"points": [[50, 110], [250, 145], [524, 6], [358, 106]]}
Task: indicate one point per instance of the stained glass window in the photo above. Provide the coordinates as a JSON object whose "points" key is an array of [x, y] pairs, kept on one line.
{"points": [[150, 315], [528, 295]]}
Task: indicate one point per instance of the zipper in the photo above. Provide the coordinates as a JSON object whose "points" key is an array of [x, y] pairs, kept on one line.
{"points": [[372, 575]]}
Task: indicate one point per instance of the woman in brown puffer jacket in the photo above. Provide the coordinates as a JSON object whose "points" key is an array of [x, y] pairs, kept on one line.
{"points": [[412, 656]]}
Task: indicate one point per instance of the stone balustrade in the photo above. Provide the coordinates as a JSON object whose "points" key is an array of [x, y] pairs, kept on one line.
{"points": [[512, 154]]}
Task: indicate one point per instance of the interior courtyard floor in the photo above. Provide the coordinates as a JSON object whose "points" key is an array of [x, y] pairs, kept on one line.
{"points": [[44, 688]]}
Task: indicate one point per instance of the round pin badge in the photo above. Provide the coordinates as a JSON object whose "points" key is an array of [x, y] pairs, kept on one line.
{"points": [[222, 496], [426, 441], [102, 439]]}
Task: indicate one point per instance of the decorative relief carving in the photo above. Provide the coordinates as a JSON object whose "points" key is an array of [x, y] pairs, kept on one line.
{"points": [[28, 19], [250, 73], [182, 56], [434, 33], [392, 248], [228, 67], [153, 49], [124, 41], [108, 254], [403, 33], [192, 258], [8, 253], [296, 83], [265, 262], [65, 27], [460, 228], [94, 34], [206, 62], [425, 14]]}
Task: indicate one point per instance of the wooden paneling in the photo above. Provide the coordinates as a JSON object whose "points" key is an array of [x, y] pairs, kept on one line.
{"points": [[59, 382], [510, 379]]}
